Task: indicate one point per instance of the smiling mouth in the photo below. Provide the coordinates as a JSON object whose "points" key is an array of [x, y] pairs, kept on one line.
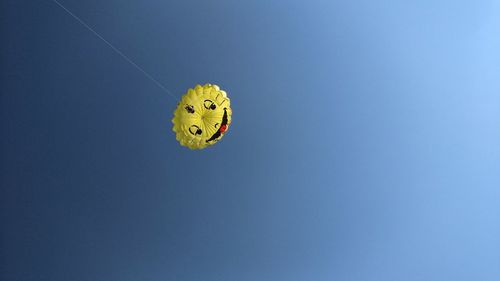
{"points": [[222, 128]]}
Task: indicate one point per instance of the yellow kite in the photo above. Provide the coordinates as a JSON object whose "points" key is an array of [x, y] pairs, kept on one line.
{"points": [[202, 116]]}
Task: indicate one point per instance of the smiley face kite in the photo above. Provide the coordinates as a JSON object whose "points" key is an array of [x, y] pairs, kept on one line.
{"points": [[202, 116]]}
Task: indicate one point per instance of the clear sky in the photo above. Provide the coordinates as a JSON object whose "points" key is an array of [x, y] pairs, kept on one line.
{"points": [[365, 143]]}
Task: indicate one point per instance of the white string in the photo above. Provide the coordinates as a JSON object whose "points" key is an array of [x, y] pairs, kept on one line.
{"points": [[116, 50]]}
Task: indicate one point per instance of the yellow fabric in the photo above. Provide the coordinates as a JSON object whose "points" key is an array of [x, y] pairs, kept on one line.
{"points": [[202, 116]]}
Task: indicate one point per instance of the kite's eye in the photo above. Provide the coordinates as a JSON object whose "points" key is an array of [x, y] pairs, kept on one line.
{"points": [[195, 130], [209, 105], [189, 108]]}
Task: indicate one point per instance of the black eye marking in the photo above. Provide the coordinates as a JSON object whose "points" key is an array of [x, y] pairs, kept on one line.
{"points": [[189, 108], [195, 130], [216, 125], [208, 104]]}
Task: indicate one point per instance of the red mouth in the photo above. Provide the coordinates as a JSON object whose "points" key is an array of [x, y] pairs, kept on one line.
{"points": [[223, 128]]}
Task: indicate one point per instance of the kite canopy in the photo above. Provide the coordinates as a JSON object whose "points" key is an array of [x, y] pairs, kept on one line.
{"points": [[202, 116]]}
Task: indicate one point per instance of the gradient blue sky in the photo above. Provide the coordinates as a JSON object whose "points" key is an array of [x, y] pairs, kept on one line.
{"points": [[364, 145]]}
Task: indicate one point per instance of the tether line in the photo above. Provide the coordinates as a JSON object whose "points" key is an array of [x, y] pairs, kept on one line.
{"points": [[116, 50]]}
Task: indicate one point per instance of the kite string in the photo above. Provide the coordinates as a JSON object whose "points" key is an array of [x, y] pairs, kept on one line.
{"points": [[116, 50]]}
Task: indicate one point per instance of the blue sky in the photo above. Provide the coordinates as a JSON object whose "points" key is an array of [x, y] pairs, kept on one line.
{"points": [[364, 144]]}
